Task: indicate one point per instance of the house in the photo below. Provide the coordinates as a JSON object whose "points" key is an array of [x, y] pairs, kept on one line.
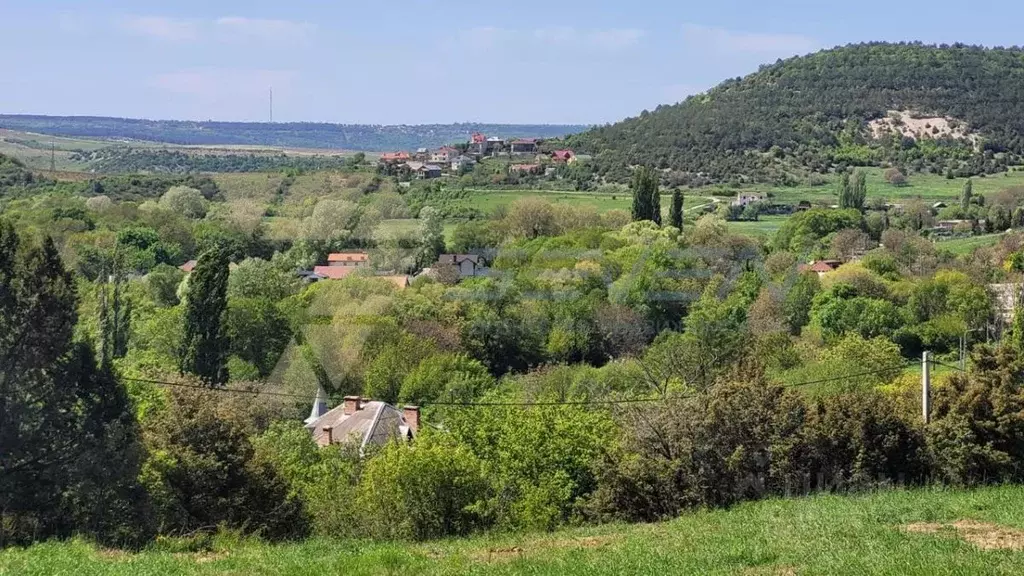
{"points": [[422, 154], [348, 259], [333, 272], [428, 171], [563, 156], [747, 198], [523, 146], [188, 267], [463, 162], [477, 144], [394, 157], [361, 422], [469, 265], [820, 267], [308, 276], [444, 155], [525, 168], [402, 282]]}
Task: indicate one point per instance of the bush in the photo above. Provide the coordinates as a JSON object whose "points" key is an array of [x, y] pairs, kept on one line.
{"points": [[430, 489], [202, 473]]}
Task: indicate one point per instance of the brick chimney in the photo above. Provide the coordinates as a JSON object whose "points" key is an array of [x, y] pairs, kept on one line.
{"points": [[328, 436], [352, 405], [412, 417]]}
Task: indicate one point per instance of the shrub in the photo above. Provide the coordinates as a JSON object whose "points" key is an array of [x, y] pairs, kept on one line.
{"points": [[202, 473], [429, 489]]}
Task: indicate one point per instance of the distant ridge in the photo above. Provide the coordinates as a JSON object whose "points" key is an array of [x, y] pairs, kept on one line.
{"points": [[366, 137], [948, 109]]}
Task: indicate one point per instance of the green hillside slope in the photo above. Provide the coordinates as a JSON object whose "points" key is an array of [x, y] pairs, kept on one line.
{"points": [[895, 532], [813, 114]]}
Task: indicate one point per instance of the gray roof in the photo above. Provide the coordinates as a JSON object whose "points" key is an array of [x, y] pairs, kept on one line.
{"points": [[458, 258], [375, 423], [432, 167]]}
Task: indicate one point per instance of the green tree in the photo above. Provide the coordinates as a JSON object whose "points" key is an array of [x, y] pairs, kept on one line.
{"points": [[258, 278], [966, 194], [432, 236], [646, 200], [844, 190], [452, 377], [258, 332], [205, 343], [70, 449], [676, 211], [162, 284], [858, 190], [186, 201]]}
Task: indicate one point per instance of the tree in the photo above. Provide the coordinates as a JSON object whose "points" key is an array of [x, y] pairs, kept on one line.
{"points": [[186, 201], [70, 447], [966, 194], [844, 190], [857, 192], [646, 199], [258, 332], [676, 211], [258, 278], [895, 177], [205, 342], [432, 234]]}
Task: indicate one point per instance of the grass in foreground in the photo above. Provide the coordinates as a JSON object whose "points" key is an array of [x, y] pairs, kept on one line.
{"points": [[891, 532]]}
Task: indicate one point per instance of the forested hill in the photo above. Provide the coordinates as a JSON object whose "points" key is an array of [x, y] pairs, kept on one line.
{"points": [[814, 113], [365, 137]]}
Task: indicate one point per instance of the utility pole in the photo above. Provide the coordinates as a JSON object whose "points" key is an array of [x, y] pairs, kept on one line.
{"points": [[926, 386]]}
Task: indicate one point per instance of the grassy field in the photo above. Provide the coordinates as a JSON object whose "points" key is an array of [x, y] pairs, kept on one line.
{"points": [[890, 532], [928, 187], [968, 245]]}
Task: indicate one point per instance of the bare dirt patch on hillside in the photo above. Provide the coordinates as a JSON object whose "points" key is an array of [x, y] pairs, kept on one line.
{"points": [[984, 535], [917, 126]]}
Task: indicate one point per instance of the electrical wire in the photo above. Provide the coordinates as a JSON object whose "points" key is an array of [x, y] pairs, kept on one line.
{"points": [[604, 402]]}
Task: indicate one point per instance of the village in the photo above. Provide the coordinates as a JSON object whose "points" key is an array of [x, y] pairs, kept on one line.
{"points": [[526, 156]]}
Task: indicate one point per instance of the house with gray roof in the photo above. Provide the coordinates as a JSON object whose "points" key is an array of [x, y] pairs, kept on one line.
{"points": [[361, 421]]}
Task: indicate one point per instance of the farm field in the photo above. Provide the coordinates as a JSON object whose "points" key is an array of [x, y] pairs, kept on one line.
{"points": [[928, 187], [928, 531], [967, 245]]}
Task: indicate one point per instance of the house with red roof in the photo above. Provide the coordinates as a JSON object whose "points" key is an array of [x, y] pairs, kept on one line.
{"points": [[348, 259], [394, 157], [821, 267], [333, 272], [444, 155], [563, 156]]}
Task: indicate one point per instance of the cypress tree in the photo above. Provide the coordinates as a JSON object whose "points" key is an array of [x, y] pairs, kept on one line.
{"points": [[205, 344], [646, 201], [675, 213]]}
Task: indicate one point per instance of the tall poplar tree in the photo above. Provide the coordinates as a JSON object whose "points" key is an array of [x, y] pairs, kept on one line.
{"points": [[966, 195], [675, 213], [205, 345]]}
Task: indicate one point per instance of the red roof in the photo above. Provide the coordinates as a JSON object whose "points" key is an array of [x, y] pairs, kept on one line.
{"points": [[563, 155], [347, 257], [821, 267], [394, 156], [333, 272], [188, 266], [478, 138]]}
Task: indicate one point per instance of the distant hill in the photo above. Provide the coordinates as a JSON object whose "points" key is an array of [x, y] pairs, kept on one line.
{"points": [[956, 110], [368, 138]]}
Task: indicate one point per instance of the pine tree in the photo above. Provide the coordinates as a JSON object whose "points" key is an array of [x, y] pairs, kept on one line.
{"points": [[655, 203], [966, 194], [205, 344], [675, 214]]}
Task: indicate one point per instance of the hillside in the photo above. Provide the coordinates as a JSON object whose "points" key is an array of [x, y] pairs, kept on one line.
{"points": [[365, 137], [915, 532], [835, 108]]}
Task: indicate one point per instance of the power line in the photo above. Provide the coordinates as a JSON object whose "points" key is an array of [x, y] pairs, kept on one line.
{"points": [[957, 368], [521, 404]]}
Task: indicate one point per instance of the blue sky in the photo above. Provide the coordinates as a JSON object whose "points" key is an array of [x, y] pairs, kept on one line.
{"points": [[421, 61]]}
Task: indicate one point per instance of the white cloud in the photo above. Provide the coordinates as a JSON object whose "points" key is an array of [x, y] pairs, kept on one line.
{"points": [[606, 39], [239, 27], [722, 40], [161, 27], [223, 83]]}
